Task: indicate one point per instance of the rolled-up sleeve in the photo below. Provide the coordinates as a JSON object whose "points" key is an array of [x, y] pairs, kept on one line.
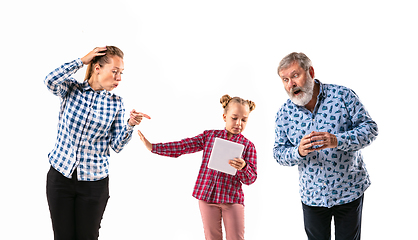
{"points": [[56, 80]]}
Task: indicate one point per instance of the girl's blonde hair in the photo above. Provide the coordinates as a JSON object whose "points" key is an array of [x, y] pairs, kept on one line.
{"points": [[103, 60], [226, 99]]}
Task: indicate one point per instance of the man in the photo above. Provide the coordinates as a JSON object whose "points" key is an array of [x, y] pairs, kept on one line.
{"points": [[321, 129]]}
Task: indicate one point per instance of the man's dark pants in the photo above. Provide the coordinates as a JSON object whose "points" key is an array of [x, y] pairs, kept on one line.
{"points": [[347, 219]]}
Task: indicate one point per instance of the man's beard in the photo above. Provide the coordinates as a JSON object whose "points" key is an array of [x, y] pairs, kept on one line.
{"points": [[306, 92]]}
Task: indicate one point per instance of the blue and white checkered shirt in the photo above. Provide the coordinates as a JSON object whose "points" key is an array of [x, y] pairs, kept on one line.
{"points": [[89, 123], [331, 176]]}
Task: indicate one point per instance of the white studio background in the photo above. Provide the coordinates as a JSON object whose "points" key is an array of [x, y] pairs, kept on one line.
{"points": [[180, 58]]}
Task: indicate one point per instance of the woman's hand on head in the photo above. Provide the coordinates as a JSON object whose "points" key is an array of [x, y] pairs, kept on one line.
{"points": [[98, 51], [147, 144]]}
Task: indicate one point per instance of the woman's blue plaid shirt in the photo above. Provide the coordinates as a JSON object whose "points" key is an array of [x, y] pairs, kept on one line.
{"points": [[89, 123]]}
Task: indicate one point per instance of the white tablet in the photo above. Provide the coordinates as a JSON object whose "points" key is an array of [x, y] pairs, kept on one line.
{"points": [[223, 151]]}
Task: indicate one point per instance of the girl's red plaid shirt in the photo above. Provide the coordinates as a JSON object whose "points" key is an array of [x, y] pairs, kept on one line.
{"points": [[213, 186]]}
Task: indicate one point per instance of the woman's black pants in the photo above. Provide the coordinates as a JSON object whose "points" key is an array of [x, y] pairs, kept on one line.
{"points": [[76, 207]]}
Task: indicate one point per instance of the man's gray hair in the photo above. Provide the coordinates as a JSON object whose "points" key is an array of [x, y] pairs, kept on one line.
{"points": [[300, 58]]}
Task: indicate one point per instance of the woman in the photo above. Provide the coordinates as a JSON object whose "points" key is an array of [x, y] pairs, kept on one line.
{"points": [[91, 119], [220, 194]]}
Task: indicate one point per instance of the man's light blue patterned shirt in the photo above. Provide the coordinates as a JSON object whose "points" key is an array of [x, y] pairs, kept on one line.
{"points": [[89, 124], [331, 176]]}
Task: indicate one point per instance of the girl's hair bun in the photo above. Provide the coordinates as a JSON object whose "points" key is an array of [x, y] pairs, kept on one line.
{"points": [[251, 104], [226, 99]]}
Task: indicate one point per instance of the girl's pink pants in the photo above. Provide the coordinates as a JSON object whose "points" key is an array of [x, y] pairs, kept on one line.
{"points": [[232, 215]]}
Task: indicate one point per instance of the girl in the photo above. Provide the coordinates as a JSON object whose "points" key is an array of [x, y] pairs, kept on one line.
{"points": [[90, 121], [220, 195]]}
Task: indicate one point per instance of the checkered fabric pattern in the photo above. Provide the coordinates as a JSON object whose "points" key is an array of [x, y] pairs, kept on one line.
{"points": [[211, 185], [89, 124]]}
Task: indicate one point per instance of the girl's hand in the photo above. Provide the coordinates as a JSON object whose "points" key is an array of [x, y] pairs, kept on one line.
{"points": [[98, 51], [135, 117], [238, 163], [147, 144]]}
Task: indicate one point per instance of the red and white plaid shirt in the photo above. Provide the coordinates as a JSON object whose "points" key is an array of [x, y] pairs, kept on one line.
{"points": [[211, 185]]}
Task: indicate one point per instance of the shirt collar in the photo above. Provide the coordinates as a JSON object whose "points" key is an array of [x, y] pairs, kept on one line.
{"points": [[233, 135], [321, 89], [86, 87]]}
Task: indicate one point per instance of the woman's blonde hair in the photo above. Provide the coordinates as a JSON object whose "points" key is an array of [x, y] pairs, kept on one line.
{"points": [[226, 99], [103, 60]]}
